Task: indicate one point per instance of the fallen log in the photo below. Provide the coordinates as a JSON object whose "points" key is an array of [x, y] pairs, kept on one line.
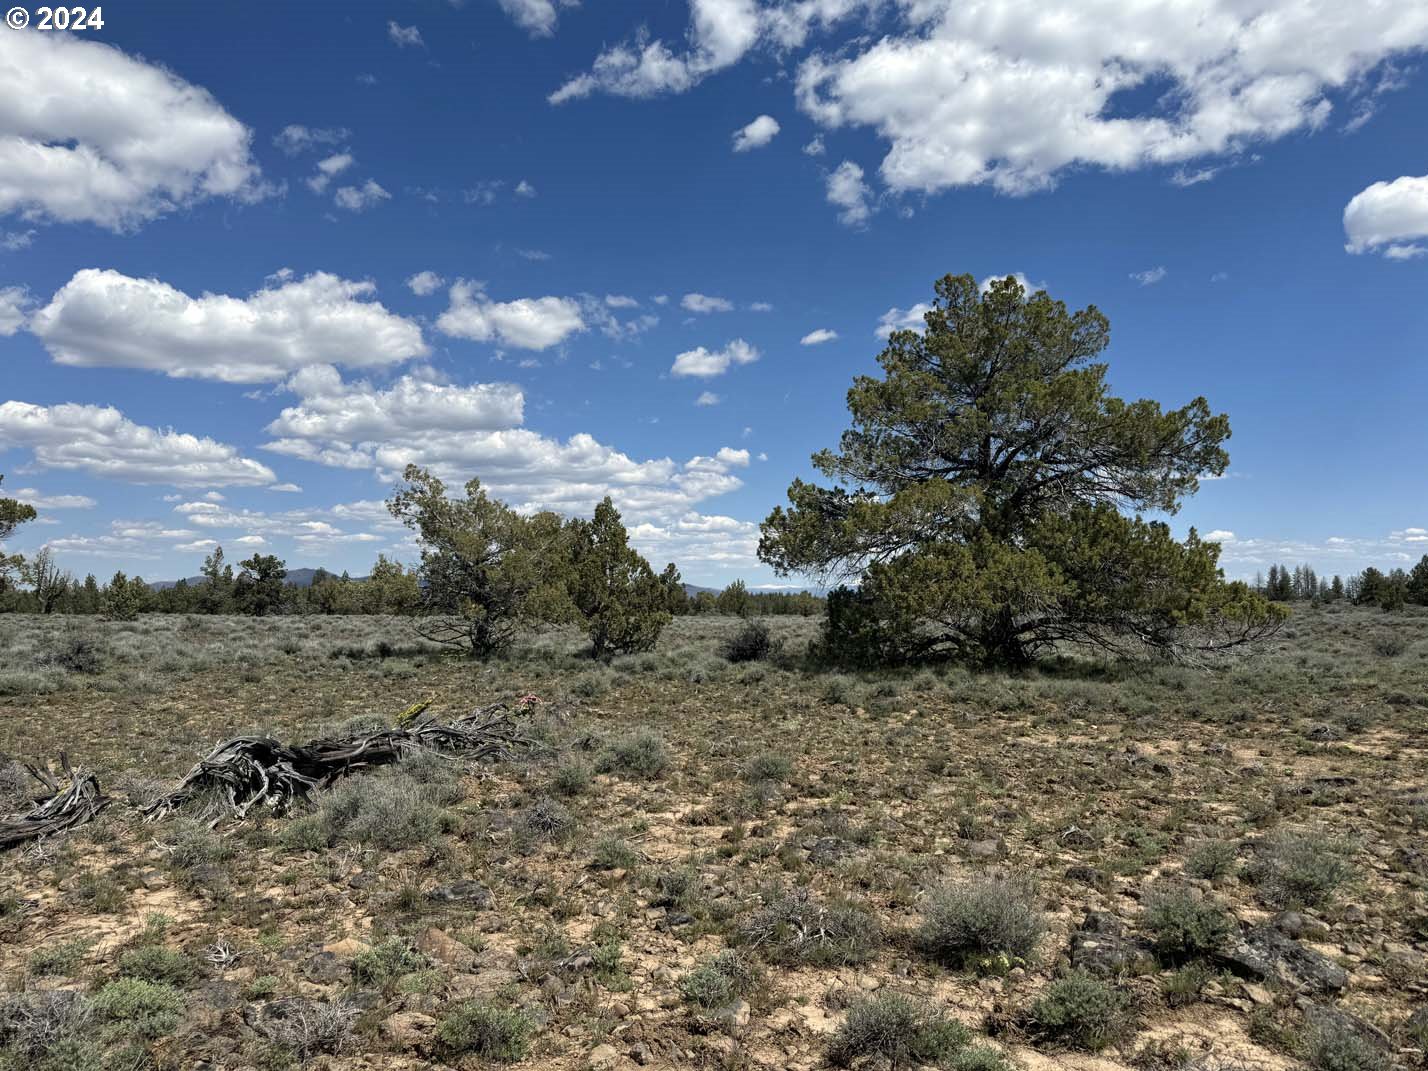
{"points": [[59, 809], [250, 770]]}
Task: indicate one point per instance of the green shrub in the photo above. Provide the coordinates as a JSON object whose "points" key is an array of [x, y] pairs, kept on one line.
{"points": [[898, 1030], [1184, 924], [1187, 985], [979, 1058], [500, 1034], [1294, 868], [1081, 1011], [752, 643], [794, 928], [386, 961], [986, 922], [1210, 859], [144, 1009], [387, 810], [641, 754], [571, 778], [158, 964], [719, 980], [58, 960], [612, 853], [191, 844], [1331, 1046], [767, 767]]}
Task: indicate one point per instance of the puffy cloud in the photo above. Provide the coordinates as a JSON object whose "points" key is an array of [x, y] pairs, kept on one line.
{"points": [[525, 189], [329, 168], [100, 440], [707, 398], [424, 283], [620, 301], [904, 319], [526, 323], [1011, 92], [358, 412], [43, 501], [847, 190], [103, 318], [536, 17], [704, 303], [1389, 217], [464, 431], [721, 33], [706, 364], [1150, 276], [15, 302], [818, 337], [815, 147], [1220, 535], [695, 538], [360, 198], [756, 134], [89, 134], [404, 36], [296, 138], [14, 241]]}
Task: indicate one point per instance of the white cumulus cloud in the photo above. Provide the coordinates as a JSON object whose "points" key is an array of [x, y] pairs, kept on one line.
{"points": [[706, 364], [1389, 217], [756, 134], [102, 318], [526, 323], [101, 441], [818, 337], [697, 302], [89, 134], [847, 190]]}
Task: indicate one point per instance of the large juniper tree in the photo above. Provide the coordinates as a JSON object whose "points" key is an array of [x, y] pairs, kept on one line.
{"points": [[13, 513], [978, 497]]}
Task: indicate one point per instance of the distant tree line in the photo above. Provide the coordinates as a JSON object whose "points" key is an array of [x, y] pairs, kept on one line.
{"points": [[1373, 587]]}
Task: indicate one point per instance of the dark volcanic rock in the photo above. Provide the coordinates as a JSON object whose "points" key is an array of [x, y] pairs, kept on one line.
{"points": [[1100, 947], [1265, 954], [466, 891]]}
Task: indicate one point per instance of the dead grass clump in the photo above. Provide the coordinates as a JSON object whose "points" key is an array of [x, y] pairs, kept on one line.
{"points": [[794, 928]]}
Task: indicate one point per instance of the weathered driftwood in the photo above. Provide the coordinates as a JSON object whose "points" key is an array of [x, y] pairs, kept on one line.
{"points": [[58, 809], [250, 770]]}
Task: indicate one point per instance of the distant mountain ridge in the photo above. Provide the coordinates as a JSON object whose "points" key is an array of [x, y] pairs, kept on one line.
{"points": [[298, 578]]}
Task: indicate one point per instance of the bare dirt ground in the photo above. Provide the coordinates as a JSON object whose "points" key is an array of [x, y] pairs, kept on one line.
{"points": [[563, 908]]}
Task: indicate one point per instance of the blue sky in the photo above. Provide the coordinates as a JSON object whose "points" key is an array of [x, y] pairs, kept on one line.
{"points": [[255, 257]]}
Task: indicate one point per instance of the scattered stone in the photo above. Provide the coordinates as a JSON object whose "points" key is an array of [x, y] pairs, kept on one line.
{"points": [[604, 1057], [1100, 947], [467, 892], [442, 947], [1264, 954], [1085, 875], [347, 948], [985, 849], [323, 968], [408, 1029], [829, 850]]}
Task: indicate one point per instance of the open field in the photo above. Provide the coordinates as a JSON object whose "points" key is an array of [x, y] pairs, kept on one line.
{"points": [[707, 864]]}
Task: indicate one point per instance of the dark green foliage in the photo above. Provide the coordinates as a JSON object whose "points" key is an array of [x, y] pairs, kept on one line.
{"points": [[1081, 1011], [903, 1032], [1297, 868], [795, 928], [1183, 924], [501, 1034], [752, 643], [625, 605], [977, 498], [486, 570], [259, 587], [642, 754], [989, 923]]}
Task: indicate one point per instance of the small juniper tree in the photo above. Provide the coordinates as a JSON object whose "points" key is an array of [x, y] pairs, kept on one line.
{"points": [[124, 598], [259, 588], [485, 569], [979, 493], [623, 601]]}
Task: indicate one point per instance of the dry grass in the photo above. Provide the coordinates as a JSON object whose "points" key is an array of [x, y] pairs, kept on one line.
{"points": [[556, 904]]}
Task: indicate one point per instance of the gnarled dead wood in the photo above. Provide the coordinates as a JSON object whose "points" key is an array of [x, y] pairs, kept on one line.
{"points": [[59, 809], [250, 770]]}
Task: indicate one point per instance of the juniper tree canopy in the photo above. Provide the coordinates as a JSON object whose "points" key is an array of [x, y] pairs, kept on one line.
{"points": [[978, 498]]}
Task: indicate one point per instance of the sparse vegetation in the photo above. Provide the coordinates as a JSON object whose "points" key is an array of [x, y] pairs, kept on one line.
{"points": [[985, 922], [1081, 1011], [900, 1031]]}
